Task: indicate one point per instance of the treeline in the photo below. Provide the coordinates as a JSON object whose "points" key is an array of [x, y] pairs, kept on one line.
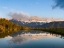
{"points": [[51, 30], [7, 26], [55, 30]]}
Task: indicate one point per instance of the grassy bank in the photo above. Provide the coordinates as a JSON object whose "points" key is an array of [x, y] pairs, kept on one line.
{"points": [[55, 30], [51, 30]]}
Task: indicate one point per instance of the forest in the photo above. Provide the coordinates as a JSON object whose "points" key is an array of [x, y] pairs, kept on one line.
{"points": [[6, 25]]}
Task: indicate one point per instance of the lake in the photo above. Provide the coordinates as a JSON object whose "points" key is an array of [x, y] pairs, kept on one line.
{"points": [[32, 39]]}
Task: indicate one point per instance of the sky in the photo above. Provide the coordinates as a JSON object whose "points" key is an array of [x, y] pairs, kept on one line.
{"points": [[40, 8]]}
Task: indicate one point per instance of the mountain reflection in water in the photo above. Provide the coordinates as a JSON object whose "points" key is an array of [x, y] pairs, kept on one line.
{"points": [[23, 37], [32, 39]]}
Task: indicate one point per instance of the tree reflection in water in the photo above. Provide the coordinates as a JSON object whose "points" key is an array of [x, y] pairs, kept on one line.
{"points": [[23, 37]]}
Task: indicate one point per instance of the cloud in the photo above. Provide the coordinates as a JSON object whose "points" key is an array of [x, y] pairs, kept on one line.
{"points": [[59, 3], [19, 15], [12, 9], [24, 38], [5, 7]]}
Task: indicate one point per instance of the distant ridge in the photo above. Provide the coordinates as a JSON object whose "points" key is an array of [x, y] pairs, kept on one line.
{"points": [[53, 24]]}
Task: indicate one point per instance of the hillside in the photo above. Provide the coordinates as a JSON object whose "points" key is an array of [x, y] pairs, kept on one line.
{"points": [[6, 25]]}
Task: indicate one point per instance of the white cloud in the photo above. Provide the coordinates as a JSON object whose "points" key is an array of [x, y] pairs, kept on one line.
{"points": [[19, 15], [8, 9], [23, 38], [5, 7], [11, 10], [26, 17]]}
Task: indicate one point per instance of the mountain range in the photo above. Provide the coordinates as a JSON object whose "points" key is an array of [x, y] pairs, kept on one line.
{"points": [[42, 24], [35, 21]]}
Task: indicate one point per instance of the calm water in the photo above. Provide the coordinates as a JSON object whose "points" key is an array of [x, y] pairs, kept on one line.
{"points": [[32, 39]]}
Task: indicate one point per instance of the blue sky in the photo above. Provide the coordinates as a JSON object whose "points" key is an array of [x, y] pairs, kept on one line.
{"points": [[41, 8]]}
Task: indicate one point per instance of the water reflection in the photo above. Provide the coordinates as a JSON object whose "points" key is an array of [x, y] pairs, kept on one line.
{"points": [[32, 39], [23, 37]]}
